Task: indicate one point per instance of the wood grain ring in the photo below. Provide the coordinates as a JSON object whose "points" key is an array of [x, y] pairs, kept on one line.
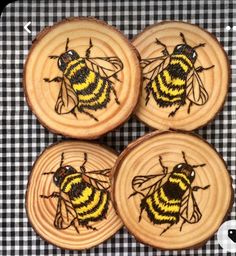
{"points": [[107, 42], [41, 212], [215, 80], [141, 157]]}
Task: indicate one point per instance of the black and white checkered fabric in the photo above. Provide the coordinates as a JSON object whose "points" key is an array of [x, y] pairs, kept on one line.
{"points": [[22, 137]]}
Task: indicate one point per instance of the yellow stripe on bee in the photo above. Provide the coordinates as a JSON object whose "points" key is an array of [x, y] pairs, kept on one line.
{"points": [[102, 98], [92, 95], [183, 66], [167, 76], [183, 176], [154, 86], [179, 182], [67, 178], [75, 69], [89, 79], [169, 100], [90, 205], [157, 216], [163, 88], [172, 81], [166, 199], [87, 192], [98, 212], [182, 56], [178, 82], [72, 182], [165, 207]]}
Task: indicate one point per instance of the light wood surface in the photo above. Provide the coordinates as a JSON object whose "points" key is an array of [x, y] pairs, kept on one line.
{"points": [[142, 158], [107, 42], [215, 80], [41, 211]]}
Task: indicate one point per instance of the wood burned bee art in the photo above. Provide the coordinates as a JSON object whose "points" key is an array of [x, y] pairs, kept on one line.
{"points": [[174, 80], [86, 82], [68, 198], [82, 195], [172, 190], [82, 77], [173, 200], [185, 76]]}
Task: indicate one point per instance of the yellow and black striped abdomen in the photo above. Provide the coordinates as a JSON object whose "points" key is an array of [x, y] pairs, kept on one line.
{"points": [[90, 204], [93, 91], [163, 206], [169, 86]]}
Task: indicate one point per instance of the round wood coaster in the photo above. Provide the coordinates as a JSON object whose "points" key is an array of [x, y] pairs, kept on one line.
{"points": [[177, 188], [185, 76], [68, 198], [82, 78]]}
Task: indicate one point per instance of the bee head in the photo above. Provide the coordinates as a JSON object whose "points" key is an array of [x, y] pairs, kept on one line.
{"points": [[185, 169], [61, 173], [186, 50], [65, 58]]}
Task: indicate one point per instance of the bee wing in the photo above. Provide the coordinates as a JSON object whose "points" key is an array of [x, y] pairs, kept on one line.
{"points": [[195, 92], [65, 214], [100, 179], [190, 211], [152, 66], [146, 185], [67, 99], [105, 66]]}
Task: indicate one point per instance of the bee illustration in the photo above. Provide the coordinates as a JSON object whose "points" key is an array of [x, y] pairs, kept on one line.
{"points": [[83, 196], [173, 78], [86, 82], [169, 197]]}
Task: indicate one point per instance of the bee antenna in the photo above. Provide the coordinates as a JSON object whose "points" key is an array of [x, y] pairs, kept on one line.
{"points": [[47, 173], [199, 45], [62, 159], [184, 157], [67, 43], [53, 56], [85, 159], [183, 38], [199, 165]]}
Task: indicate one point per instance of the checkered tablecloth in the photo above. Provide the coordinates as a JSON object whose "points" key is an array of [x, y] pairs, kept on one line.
{"points": [[22, 137]]}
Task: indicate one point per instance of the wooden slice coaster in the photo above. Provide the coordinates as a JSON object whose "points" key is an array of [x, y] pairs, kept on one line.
{"points": [[82, 78], [185, 76], [172, 190], [68, 198]]}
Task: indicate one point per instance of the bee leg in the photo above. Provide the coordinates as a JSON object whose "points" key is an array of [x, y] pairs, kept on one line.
{"points": [[56, 79], [200, 68], [140, 215], [53, 195], [148, 91], [189, 106], [73, 223], [142, 207], [88, 51], [114, 92], [174, 112], [87, 113], [165, 51], [196, 188], [88, 226], [166, 229], [165, 169], [180, 229], [73, 112]]}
